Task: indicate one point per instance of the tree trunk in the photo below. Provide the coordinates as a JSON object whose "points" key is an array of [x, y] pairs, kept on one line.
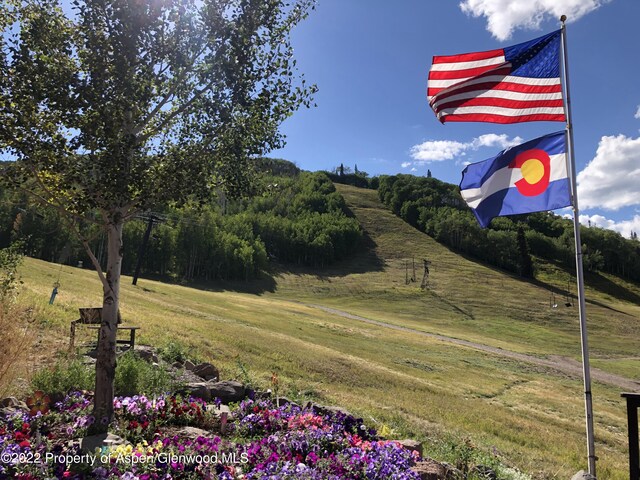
{"points": [[106, 358]]}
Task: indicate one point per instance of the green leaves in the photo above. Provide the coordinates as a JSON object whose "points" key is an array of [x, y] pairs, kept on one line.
{"points": [[131, 104]]}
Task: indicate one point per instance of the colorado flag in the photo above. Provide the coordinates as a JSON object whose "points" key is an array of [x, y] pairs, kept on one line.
{"points": [[531, 177]]}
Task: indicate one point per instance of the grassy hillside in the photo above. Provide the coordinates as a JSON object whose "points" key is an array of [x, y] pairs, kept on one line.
{"points": [[529, 415]]}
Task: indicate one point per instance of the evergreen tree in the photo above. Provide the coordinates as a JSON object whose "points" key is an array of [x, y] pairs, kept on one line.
{"points": [[526, 264]]}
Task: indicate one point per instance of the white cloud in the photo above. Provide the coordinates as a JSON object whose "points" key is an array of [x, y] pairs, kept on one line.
{"points": [[414, 169], [612, 179], [493, 140], [624, 227], [405, 164], [437, 150], [637, 115], [440, 150], [504, 16]]}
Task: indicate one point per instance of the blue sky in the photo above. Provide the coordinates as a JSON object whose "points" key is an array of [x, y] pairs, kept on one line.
{"points": [[370, 60]]}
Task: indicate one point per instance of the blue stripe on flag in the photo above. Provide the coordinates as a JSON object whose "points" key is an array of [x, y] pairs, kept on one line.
{"points": [[512, 202], [475, 174]]}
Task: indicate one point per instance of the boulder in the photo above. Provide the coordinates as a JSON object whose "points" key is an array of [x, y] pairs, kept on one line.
{"points": [[430, 470], [11, 406], [13, 402], [484, 472], [327, 410], [147, 353], [193, 432], [582, 475], [188, 364], [90, 443], [227, 391], [198, 390], [206, 371], [411, 445]]}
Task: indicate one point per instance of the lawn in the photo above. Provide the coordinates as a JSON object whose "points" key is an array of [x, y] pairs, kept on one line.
{"points": [[530, 417]]}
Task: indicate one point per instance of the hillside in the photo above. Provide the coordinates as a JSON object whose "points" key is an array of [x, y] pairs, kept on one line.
{"points": [[326, 334]]}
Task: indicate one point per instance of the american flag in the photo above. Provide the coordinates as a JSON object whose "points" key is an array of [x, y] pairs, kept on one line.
{"points": [[520, 83]]}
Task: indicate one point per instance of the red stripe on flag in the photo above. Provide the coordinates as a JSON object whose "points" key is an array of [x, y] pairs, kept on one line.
{"points": [[483, 87], [468, 57], [492, 118], [500, 102], [470, 72]]}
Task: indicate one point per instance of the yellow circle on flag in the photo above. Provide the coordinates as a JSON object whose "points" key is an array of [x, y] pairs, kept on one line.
{"points": [[532, 170]]}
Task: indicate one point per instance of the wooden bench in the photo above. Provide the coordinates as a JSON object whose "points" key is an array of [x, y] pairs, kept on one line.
{"points": [[91, 318]]}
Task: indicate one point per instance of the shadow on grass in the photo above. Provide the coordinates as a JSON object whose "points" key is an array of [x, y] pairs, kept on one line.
{"points": [[568, 295], [597, 282], [363, 261]]}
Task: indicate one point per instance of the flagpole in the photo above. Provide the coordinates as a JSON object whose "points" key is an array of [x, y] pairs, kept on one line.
{"points": [[586, 373]]}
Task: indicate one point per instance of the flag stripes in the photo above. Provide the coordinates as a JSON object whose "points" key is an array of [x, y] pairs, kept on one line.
{"points": [[506, 82]]}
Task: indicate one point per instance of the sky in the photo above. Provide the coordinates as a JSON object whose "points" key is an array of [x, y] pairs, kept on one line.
{"points": [[370, 60]]}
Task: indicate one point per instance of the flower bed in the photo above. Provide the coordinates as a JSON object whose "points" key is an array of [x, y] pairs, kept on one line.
{"points": [[261, 441]]}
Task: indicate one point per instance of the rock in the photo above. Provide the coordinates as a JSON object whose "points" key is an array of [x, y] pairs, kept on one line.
{"points": [[177, 365], [186, 376], [10, 406], [411, 445], [193, 432], [327, 410], [430, 470], [582, 475], [146, 352], [227, 391], [262, 395], [206, 371], [89, 444], [13, 402], [87, 360], [484, 472], [188, 364], [218, 411], [197, 389], [282, 401]]}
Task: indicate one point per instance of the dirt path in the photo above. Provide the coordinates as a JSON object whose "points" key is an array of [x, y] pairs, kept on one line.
{"points": [[555, 362]]}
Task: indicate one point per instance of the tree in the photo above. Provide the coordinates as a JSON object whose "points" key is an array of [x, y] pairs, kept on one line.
{"points": [[125, 104], [428, 173], [526, 264]]}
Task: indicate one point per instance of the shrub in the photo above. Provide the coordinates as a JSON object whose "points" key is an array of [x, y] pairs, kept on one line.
{"points": [[173, 352], [15, 341], [10, 259], [64, 376], [136, 376], [133, 376]]}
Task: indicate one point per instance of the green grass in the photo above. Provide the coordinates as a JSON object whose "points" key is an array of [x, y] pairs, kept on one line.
{"points": [[420, 387]]}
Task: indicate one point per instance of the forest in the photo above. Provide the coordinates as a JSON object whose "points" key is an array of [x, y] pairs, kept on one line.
{"points": [[297, 218], [512, 243], [292, 217]]}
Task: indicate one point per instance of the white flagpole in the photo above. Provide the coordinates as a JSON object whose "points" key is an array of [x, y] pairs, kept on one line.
{"points": [[579, 270]]}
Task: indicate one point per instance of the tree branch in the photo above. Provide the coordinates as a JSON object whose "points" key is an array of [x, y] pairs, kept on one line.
{"points": [[170, 94]]}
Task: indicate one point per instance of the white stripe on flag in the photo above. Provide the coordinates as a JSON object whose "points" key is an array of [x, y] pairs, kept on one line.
{"points": [[440, 67], [494, 79], [506, 112], [507, 178], [508, 94]]}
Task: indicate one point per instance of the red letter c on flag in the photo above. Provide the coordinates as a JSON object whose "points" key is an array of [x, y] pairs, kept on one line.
{"points": [[535, 166]]}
